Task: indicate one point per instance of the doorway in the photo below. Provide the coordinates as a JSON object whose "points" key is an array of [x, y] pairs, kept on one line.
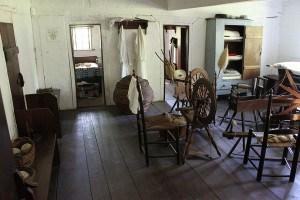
{"points": [[176, 51], [86, 45], [11, 52]]}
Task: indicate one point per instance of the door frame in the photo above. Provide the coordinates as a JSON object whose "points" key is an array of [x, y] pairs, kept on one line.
{"points": [[72, 54], [164, 50]]}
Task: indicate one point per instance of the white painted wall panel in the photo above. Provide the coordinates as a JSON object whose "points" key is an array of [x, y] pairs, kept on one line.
{"points": [[290, 32], [55, 60]]}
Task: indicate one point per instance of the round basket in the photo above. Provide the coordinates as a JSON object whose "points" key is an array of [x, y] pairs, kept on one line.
{"points": [[121, 90], [24, 159]]}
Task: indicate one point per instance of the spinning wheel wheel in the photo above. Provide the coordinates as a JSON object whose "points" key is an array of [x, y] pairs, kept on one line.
{"points": [[202, 112], [194, 75], [204, 102]]}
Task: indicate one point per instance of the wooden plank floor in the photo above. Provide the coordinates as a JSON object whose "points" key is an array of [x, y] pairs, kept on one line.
{"points": [[100, 159]]}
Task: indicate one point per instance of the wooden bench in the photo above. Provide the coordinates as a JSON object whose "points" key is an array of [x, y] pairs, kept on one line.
{"points": [[41, 121]]}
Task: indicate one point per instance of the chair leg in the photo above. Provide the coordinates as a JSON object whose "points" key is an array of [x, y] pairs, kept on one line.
{"points": [[177, 146], [248, 145], [295, 160], [188, 143], [261, 161], [234, 147], [284, 155], [225, 114], [243, 128], [230, 121], [146, 148], [139, 132], [212, 140], [255, 119]]}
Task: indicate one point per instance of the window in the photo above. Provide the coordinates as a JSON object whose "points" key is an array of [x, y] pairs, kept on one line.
{"points": [[81, 38]]}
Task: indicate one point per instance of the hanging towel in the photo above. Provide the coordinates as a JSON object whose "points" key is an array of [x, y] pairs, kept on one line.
{"points": [[124, 60], [140, 54], [133, 96]]}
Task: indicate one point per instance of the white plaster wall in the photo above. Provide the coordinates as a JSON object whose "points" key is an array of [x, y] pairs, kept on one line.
{"points": [[290, 32], [100, 11], [55, 58], [17, 13]]}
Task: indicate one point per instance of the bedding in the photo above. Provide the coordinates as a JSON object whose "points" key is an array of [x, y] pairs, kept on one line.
{"points": [[86, 70], [294, 67], [230, 74]]}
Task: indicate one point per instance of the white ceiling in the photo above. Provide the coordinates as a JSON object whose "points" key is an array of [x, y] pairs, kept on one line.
{"points": [[185, 4]]}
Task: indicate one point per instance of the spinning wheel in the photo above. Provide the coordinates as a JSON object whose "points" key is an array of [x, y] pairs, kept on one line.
{"points": [[204, 102], [194, 75], [202, 112]]}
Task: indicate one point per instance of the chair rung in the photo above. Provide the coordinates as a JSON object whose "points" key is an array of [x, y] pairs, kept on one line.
{"points": [[163, 142], [235, 134], [269, 175], [163, 156]]}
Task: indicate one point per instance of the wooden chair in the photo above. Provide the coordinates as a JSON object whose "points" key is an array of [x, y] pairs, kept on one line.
{"points": [[241, 104], [168, 125], [276, 135]]}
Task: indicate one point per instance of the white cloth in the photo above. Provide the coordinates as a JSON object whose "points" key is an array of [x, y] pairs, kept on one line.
{"points": [[294, 67], [133, 96], [124, 60], [140, 54]]}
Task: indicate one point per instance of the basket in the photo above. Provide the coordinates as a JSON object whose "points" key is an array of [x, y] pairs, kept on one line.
{"points": [[24, 159]]}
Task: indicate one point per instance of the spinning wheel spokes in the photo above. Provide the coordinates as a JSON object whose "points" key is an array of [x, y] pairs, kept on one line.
{"points": [[204, 101], [195, 74]]}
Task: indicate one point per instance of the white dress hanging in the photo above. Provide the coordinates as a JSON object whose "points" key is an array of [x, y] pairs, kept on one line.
{"points": [[140, 54], [133, 96], [124, 60]]}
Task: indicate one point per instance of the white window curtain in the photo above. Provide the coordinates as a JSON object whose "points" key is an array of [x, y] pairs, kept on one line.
{"points": [[82, 38]]}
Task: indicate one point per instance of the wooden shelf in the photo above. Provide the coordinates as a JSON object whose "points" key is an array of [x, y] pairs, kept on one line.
{"points": [[229, 41]]}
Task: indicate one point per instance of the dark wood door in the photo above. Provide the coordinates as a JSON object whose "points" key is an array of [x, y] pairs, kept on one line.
{"points": [[11, 56], [7, 184]]}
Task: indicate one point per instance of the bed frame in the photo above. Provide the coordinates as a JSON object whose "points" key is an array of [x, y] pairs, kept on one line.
{"points": [[90, 59]]}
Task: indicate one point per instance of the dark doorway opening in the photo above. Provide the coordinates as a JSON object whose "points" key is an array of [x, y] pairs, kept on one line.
{"points": [[176, 50], [86, 43]]}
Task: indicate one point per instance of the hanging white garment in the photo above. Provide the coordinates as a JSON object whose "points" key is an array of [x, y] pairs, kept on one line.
{"points": [[140, 54], [124, 60], [133, 96]]}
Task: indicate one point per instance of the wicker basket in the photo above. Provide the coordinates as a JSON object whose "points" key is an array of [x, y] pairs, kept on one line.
{"points": [[121, 90], [24, 159]]}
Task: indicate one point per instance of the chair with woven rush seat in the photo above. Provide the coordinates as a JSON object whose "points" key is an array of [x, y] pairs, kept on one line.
{"points": [[280, 132], [167, 125]]}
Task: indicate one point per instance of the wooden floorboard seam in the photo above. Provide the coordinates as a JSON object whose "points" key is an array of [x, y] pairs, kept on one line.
{"points": [[99, 152], [87, 164], [130, 174]]}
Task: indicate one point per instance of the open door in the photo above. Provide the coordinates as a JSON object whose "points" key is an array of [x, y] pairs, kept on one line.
{"points": [[7, 184], [11, 52], [15, 77], [252, 52]]}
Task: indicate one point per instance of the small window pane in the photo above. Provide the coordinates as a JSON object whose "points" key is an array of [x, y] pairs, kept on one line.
{"points": [[82, 38]]}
